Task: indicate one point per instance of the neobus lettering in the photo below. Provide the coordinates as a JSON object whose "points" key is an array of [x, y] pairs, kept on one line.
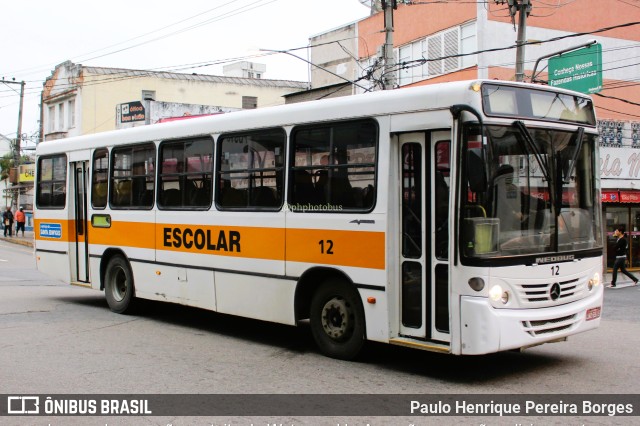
{"points": [[201, 239]]}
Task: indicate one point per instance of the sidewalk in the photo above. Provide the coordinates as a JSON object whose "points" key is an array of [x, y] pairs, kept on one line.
{"points": [[27, 240]]}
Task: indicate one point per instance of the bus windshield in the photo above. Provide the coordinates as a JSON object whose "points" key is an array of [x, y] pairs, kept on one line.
{"points": [[529, 191]]}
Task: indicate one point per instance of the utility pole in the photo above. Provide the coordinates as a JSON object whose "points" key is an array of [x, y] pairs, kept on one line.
{"points": [[19, 135], [16, 145], [523, 7], [389, 75]]}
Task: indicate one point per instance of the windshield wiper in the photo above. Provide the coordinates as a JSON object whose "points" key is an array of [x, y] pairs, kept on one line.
{"points": [[533, 148], [567, 177]]}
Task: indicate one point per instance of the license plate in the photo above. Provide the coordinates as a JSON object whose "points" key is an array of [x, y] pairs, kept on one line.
{"points": [[593, 313]]}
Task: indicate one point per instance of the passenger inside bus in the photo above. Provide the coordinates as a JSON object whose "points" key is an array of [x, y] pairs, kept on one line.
{"points": [[321, 178]]}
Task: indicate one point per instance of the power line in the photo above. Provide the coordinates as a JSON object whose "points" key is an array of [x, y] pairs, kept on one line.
{"points": [[617, 112], [402, 65], [225, 15], [368, 73], [618, 99], [216, 19]]}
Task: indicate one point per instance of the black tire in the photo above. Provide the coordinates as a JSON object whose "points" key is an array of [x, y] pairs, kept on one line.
{"points": [[337, 319], [118, 286]]}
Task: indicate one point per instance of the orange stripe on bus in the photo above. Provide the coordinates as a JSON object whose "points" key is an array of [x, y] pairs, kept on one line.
{"points": [[128, 234], [318, 246], [327, 246], [236, 241]]}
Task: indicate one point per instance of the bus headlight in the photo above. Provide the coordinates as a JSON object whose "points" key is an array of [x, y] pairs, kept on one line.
{"points": [[498, 294], [594, 281]]}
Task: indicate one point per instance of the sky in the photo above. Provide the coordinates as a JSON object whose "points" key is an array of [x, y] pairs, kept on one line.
{"points": [[186, 36]]}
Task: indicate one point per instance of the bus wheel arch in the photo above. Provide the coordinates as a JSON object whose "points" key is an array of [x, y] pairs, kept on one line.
{"points": [[117, 281], [307, 285], [336, 314]]}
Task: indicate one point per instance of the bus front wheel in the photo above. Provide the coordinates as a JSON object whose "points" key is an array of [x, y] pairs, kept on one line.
{"points": [[337, 319], [118, 286]]}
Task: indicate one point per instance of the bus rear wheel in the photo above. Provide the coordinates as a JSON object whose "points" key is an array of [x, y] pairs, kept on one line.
{"points": [[118, 286], [337, 319]]}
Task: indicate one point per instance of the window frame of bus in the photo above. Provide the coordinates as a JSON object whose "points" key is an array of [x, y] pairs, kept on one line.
{"points": [[522, 106], [112, 178], [184, 175], [94, 178], [251, 173], [51, 182], [324, 206]]}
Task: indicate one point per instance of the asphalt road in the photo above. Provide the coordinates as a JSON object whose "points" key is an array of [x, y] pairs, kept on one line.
{"points": [[58, 339]]}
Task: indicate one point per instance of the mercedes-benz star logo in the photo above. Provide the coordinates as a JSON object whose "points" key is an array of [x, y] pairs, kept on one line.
{"points": [[554, 293]]}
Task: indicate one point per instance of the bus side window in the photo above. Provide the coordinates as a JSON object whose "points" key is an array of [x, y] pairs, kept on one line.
{"points": [[132, 174], [341, 157], [52, 182], [100, 178], [186, 172], [250, 170]]}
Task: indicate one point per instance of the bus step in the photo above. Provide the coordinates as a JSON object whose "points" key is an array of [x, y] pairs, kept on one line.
{"points": [[425, 346]]}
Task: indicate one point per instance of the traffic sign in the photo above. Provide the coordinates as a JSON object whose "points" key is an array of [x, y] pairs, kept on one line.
{"points": [[580, 70]]}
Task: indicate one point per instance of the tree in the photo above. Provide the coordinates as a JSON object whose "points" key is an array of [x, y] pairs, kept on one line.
{"points": [[6, 162], [5, 165]]}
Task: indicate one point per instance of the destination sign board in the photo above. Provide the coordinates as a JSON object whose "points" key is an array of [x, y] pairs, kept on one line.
{"points": [[579, 70]]}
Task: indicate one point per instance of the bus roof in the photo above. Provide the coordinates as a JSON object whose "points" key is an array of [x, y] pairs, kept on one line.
{"points": [[435, 96]]}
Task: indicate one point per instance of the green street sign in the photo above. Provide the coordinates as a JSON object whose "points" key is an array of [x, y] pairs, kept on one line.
{"points": [[580, 70]]}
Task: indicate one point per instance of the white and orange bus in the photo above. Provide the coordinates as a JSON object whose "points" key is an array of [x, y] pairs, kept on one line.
{"points": [[462, 218]]}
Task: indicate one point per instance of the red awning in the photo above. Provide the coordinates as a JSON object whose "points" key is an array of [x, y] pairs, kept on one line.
{"points": [[610, 197], [630, 196]]}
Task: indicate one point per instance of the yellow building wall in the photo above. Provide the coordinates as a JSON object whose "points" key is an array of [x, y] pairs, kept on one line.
{"points": [[102, 93]]}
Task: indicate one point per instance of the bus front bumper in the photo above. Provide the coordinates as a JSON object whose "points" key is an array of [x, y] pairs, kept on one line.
{"points": [[485, 329]]}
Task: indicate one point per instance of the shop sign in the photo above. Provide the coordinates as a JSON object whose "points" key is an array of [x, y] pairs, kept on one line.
{"points": [[610, 197], [27, 173], [619, 163], [132, 111], [630, 196]]}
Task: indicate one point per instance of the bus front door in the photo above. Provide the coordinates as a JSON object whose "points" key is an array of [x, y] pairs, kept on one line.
{"points": [[80, 242], [424, 283]]}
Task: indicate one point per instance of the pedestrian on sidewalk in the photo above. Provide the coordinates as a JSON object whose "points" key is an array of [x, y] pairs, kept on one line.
{"points": [[20, 221], [7, 221], [621, 257]]}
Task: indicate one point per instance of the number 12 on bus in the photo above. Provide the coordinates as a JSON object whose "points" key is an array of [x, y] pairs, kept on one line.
{"points": [[461, 218]]}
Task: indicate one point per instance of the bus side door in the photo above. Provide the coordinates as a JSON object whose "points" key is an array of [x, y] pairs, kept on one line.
{"points": [[79, 244], [424, 283]]}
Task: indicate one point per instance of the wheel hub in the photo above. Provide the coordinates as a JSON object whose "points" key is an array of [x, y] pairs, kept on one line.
{"points": [[120, 287], [336, 319]]}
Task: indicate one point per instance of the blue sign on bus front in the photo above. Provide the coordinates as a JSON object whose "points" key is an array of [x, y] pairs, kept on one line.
{"points": [[51, 230]]}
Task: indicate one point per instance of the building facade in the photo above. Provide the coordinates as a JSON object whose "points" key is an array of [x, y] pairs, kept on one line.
{"points": [[79, 100], [448, 41]]}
